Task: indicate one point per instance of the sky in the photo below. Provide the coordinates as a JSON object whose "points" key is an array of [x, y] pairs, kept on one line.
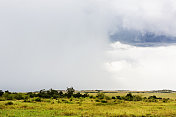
{"points": [[62, 43]]}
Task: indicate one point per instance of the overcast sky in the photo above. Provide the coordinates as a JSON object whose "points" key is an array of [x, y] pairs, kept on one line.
{"points": [[61, 43]]}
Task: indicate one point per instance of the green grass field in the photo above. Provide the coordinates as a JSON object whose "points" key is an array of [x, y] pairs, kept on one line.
{"points": [[163, 95], [90, 107]]}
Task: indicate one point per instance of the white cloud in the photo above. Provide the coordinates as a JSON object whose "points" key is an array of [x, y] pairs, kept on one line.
{"points": [[143, 68]]}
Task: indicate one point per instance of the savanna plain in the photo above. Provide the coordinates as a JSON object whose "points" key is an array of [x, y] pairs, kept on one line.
{"points": [[53, 103]]}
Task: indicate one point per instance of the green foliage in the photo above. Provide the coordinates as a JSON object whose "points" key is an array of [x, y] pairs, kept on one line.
{"points": [[1, 92], [9, 103], [7, 92], [18, 96], [129, 97], [37, 99], [165, 100], [106, 107], [54, 94], [77, 95], [118, 97], [97, 100], [137, 98], [103, 101], [70, 92], [100, 95], [8, 96], [152, 97], [61, 94], [107, 97], [2, 99], [47, 94], [31, 95]]}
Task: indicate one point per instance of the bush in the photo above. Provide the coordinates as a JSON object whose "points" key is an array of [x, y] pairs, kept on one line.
{"points": [[97, 100], [31, 95], [152, 97], [26, 100], [137, 98], [107, 98], [129, 97], [7, 92], [37, 99], [100, 95], [18, 96], [70, 92], [8, 96], [165, 100], [1, 92], [103, 101], [2, 99], [9, 103], [85, 95], [77, 95], [118, 97]]}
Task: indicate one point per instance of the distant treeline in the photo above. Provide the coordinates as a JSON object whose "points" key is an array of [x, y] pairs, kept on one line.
{"points": [[43, 94], [70, 93]]}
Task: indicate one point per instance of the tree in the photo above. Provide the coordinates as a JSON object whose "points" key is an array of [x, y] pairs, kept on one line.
{"points": [[1, 92], [61, 94], [70, 92], [7, 92]]}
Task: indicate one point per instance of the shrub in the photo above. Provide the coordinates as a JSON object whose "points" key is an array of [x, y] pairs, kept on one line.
{"points": [[103, 101], [118, 97], [7, 92], [61, 94], [100, 95], [129, 97], [165, 100], [152, 97], [97, 100], [26, 100], [37, 99], [85, 95], [107, 98], [92, 97], [1, 92], [70, 92], [9, 103], [58, 101], [2, 99], [30, 94], [8, 96], [137, 98], [18, 96], [77, 95]]}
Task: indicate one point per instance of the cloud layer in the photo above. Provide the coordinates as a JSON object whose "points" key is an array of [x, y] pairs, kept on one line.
{"points": [[143, 68], [58, 43]]}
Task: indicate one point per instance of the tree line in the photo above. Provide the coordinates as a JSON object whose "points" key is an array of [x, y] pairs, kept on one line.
{"points": [[70, 93]]}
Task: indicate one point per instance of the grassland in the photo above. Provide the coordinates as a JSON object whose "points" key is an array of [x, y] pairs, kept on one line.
{"points": [[90, 107], [162, 95]]}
